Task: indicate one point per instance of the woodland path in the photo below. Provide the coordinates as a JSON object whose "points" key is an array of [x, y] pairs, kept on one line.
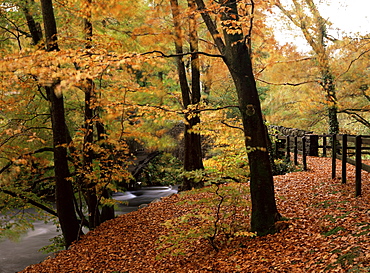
{"points": [[328, 230]]}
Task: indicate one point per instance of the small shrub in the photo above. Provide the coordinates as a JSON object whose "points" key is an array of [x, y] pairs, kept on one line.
{"points": [[281, 166], [57, 244], [215, 219]]}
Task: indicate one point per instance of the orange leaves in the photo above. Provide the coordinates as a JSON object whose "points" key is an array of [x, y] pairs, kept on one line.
{"points": [[129, 242]]}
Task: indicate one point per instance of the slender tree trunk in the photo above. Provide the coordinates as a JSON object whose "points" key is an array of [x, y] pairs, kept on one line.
{"points": [[88, 153], [63, 186], [33, 26], [193, 147], [50, 25], [107, 212], [235, 49], [193, 144]]}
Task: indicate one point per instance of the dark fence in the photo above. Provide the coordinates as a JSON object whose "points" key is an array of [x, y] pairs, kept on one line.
{"points": [[304, 145], [347, 148]]}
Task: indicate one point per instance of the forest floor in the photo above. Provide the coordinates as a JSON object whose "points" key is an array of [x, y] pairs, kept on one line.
{"points": [[326, 229]]}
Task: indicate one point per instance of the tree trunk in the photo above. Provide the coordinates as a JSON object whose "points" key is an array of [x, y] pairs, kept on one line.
{"points": [[264, 210], [331, 101], [193, 147], [33, 27], [235, 49], [50, 25], [107, 212], [63, 186], [88, 155]]}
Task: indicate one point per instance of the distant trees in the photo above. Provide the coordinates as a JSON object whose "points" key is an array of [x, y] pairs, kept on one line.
{"points": [[321, 77], [314, 29]]}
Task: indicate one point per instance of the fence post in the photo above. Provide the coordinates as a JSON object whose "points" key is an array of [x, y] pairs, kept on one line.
{"points": [[287, 149], [304, 153], [314, 145], [358, 165], [277, 146], [344, 159], [334, 155], [295, 149]]}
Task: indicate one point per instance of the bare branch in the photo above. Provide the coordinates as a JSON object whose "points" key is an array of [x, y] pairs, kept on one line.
{"points": [[352, 62], [284, 62], [231, 126], [211, 26], [357, 117], [216, 109], [182, 54], [30, 201], [286, 83], [355, 110]]}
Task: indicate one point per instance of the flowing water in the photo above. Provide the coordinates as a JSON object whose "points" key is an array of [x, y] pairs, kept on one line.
{"points": [[15, 256]]}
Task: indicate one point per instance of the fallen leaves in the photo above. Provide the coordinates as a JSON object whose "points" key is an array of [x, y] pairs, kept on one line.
{"points": [[326, 228]]}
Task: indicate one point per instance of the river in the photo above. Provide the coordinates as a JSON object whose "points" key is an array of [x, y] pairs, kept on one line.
{"points": [[15, 256]]}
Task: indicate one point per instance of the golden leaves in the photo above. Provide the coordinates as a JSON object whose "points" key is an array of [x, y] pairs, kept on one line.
{"points": [[232, 26]]}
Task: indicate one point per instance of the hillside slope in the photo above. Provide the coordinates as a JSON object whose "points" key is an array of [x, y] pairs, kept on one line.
{"points": [[327, 228]]}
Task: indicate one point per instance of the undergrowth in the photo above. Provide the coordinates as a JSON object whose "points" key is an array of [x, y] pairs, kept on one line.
{"points": [[219, 218]]}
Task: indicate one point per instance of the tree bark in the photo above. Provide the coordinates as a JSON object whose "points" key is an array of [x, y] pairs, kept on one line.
{"points": [[50, 25], [88, 153], [107, 212]]}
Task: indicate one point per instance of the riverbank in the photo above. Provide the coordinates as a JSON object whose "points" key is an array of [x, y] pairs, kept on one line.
{"points": [[16, 255], [327, 228]]}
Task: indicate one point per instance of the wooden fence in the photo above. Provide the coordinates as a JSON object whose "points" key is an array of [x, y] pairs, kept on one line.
{"points": [[347, 148]]}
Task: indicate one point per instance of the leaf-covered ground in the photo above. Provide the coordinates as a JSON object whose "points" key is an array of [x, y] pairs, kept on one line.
{"points": [[329, 230]]}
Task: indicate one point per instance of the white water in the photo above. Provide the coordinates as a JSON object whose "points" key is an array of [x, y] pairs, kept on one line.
{"points": [[15, 256]]}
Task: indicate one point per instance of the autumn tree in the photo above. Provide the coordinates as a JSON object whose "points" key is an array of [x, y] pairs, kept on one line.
{"points": [[235, 48], [314, 29], [63, 186], [352, 79]]}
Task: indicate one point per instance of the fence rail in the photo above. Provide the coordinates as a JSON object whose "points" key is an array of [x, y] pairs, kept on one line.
{"points": [[347, 148]]}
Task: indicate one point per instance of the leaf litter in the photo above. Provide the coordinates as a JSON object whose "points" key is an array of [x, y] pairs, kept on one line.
{"points": [[326, 229]]}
